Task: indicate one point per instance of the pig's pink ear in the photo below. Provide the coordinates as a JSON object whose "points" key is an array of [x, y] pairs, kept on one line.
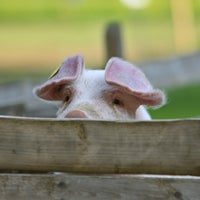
{"points": [[132, 80], [69, 71]]}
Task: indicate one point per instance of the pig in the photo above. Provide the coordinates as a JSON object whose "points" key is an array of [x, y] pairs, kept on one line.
{"points": [[120, 92]]}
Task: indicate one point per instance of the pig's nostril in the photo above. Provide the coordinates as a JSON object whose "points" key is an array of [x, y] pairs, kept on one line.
{"points": [[76, 114]]}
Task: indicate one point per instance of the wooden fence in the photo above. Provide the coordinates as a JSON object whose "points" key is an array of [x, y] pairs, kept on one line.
{"points": [[173, 72], [95, 159], [99, 159], [16, 99]]}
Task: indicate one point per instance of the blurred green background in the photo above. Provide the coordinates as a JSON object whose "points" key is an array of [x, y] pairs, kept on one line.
{"points": [[36, 35]]}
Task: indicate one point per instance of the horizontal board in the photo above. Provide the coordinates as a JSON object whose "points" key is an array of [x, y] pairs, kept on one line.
{"points": [[17, 99], [107, 187], [173, 72], [89, 146]]}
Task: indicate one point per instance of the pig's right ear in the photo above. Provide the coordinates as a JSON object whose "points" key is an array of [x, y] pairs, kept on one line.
{"points": [[69, 71], [132, 80]]}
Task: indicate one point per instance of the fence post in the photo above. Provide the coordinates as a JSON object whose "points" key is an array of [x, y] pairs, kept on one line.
{"points": [[113, 40]]}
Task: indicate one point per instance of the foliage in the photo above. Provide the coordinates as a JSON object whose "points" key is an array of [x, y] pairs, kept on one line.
{"points": [[85, 10]]}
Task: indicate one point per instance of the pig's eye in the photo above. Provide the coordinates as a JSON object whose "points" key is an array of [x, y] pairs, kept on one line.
{"points": [[117, 102], [67, 95], [67, 98]]}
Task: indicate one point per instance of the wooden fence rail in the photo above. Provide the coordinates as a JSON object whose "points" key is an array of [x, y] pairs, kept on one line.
{"points": [[88, 146], [99, 159], [98, 187]]}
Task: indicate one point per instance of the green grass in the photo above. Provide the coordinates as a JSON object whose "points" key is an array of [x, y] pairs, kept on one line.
{"points": [[83, 10], [183, 102], [26, 47], [42, 33]]}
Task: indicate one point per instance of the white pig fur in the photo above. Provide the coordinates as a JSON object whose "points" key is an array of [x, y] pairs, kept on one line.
{"points": [[94, 94]]}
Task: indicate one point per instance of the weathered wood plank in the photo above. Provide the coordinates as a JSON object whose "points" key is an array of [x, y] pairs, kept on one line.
{"points": [[152, 147], [107, 187], [173, 72], [16, 98]]}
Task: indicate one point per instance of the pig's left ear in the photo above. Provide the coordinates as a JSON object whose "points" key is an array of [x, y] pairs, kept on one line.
{"points": [[132, 80], [69, 71]]}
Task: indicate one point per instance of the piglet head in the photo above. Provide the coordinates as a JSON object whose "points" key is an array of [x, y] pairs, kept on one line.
{"points": [[66, 74], [118, 92]]}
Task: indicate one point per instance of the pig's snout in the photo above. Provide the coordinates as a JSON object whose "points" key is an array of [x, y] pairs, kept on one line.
{"points": [[76, 114]]}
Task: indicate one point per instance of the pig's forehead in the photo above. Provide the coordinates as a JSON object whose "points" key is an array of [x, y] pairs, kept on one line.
{"points": [[93, 79], [97, 75]]}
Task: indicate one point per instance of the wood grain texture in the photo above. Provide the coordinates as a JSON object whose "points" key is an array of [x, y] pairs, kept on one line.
{"points": [[106, 187], [152, 147]]}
